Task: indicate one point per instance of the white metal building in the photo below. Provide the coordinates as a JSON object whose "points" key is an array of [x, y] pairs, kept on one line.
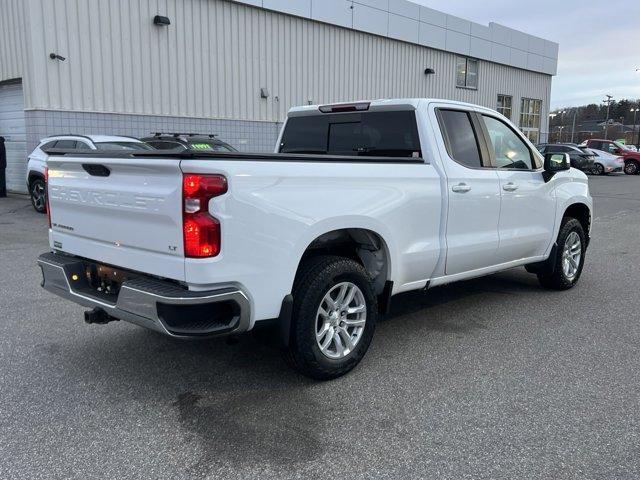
{"points": [[234, 68]]}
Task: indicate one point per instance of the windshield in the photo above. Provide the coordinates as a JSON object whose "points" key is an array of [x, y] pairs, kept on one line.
{"points": [[122, 146], [209, 146], [621, 146]]}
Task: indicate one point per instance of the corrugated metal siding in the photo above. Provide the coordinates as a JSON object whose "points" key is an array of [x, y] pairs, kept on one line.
{"points": [[214, 57], [12, 39]]}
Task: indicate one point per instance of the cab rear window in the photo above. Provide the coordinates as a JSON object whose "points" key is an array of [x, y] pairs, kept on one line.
{"points": [[376, 134]]}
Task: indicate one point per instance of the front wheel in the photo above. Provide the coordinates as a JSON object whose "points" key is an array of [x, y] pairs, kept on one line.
{"points": [[570, 257], [334, 317], [631, 168], [38, 193]]}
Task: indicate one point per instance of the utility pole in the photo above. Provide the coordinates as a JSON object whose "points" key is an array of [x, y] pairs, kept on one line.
{"points": [[634, 128], [550, 132], [606, 123], [634, 119], [635, 112], [573, 128]]}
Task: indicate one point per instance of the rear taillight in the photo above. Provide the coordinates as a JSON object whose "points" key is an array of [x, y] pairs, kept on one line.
{"points": [[46, 194], [200, 229]]}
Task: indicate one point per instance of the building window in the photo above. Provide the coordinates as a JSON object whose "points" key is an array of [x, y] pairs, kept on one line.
{"points": [[530, 118], [466, 73], [504, 105]]}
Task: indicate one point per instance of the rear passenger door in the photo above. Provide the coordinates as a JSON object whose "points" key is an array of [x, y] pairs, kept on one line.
{"points": [[473, 191], [528, 205]]}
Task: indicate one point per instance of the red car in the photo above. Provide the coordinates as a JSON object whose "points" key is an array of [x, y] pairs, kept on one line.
{"points": [[631, 158]]}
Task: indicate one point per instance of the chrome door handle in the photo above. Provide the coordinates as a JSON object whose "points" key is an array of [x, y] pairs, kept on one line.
{"points": [[461, 188], [510, 187]]}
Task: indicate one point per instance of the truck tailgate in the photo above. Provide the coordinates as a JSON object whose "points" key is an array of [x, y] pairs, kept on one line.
{"points": [[119, 211]]}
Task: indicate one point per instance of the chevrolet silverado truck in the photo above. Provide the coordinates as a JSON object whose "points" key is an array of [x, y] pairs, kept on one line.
{"points": [[360, 202]]}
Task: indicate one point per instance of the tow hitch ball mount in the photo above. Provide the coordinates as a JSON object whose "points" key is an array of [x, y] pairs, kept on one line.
{"points": [[98, 316]]}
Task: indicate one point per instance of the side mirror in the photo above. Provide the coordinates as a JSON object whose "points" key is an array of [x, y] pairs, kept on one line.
{"points": [[554, 163], [616, 151]]}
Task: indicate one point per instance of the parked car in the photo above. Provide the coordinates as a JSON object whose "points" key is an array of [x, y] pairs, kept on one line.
{"points": [[631, 159], [397, 195], [607, 163], [631, 147], [581, 158], [188, 141], [37, 160]]}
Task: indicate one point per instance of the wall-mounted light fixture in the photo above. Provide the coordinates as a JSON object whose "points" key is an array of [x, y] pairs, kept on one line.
{"points": [[429, 71], [55, 56], [161, 21], [264, 92]]}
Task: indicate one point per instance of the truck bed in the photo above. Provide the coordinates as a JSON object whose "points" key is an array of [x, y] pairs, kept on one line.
{"points": [[275, 207]]}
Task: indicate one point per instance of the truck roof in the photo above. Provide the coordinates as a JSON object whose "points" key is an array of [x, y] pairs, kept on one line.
{"points": [[377, 105]]}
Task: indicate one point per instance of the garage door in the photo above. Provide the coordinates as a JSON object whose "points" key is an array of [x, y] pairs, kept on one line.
{"points": [[12, 128]]}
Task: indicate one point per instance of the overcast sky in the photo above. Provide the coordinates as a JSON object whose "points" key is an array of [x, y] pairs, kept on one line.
{"points": [[599, 41]]}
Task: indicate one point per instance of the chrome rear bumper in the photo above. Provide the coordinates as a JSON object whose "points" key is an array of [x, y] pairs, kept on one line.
{"points": [[159, 305]]}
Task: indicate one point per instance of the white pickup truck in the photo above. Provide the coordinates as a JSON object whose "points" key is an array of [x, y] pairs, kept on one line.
{"points": [[360, 202]]}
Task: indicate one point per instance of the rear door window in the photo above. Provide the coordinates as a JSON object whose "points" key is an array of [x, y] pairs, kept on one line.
{"points": [[164, 145], [377, 134], [460, 137], [66, 144], [209, 146]]}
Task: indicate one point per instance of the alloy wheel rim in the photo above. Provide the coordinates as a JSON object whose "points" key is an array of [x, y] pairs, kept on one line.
{"points": [[38, 195], [571, 255], [340, 320], [630, 168]]}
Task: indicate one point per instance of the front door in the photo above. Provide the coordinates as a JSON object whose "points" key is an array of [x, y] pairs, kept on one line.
{"points": [[527, 213], [473, 191]]}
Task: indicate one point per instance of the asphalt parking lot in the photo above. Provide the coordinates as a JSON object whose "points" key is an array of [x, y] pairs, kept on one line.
{"points": [[492, 378]]}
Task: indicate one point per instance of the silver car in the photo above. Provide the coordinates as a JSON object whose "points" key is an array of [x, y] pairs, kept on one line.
{"points": [[606, 163]]}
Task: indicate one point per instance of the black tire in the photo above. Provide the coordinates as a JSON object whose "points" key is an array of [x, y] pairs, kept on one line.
{"points": [[559, 280], [598, 169], [316, 277], [38, 194], [631, 167]]}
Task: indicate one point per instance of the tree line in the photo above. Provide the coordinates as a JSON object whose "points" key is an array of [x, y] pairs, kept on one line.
{"points": [[620, 111]]}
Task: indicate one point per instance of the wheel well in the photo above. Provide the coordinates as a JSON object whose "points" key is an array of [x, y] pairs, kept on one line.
{"points": [[580, 212], [33, 176], [364, 246]]}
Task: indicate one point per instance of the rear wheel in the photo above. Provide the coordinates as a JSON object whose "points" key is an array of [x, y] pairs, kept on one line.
{"points": [[38, 193], [598, 169], [570, 258], [631, 167], [334, 317]]}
